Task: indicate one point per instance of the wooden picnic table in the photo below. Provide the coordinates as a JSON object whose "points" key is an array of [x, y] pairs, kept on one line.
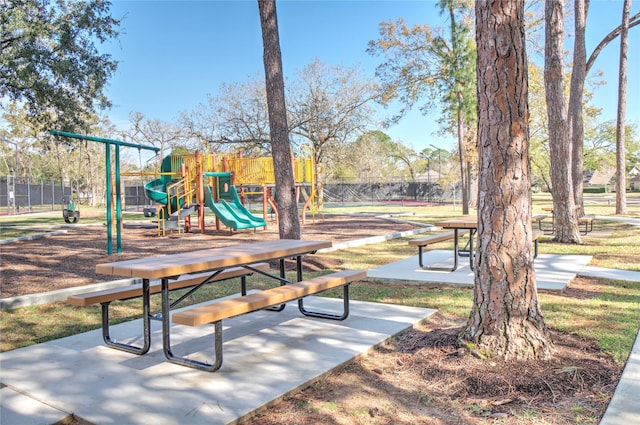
{"points": [[213, 261], [468, 223]]}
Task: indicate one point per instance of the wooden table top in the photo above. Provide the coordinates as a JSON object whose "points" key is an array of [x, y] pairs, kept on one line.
{"points": [[160, 266], [468, 222]]}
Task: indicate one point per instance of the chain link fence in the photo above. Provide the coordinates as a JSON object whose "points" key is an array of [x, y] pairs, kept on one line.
{"points": [[342, 192], [23, 195]]}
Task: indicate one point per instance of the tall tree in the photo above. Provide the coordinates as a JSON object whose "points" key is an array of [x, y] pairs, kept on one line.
{"points": [[49, 61], [330, 106], [565, 220], [578, 76], [505, 319], [289, 222], [621, 174], [235, 118], [161, 134], [425, 65]]}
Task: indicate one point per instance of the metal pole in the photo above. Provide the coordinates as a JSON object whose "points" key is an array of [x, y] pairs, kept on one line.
{"points": [[428, 180], [108, 196], [439, 166], [118, 203]]}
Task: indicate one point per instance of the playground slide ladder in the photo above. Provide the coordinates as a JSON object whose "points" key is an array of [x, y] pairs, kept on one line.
{"points": [[180, 195]]}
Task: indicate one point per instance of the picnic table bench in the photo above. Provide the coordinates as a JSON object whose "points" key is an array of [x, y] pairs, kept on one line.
{"points": [[216, 311], [425, 241], [460, 227], [218, 263], [587, 220], [194, 281], [539, 218]]}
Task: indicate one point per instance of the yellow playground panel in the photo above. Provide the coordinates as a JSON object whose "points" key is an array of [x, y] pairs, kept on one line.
{"points": [[249, 172]]}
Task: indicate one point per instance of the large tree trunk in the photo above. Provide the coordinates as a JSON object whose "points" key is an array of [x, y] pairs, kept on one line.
{"points": [[565, 220], [576, 126], [621, 172], [505, 319], [288, 220]]}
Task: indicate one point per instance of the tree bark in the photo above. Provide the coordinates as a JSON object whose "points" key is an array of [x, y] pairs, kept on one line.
{"points": [[576, 126], [565, 220], [621, 160], [505, 319], [288, 220]]}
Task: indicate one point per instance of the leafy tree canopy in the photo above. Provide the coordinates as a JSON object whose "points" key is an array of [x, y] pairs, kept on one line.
{"points": [[49, 62]]}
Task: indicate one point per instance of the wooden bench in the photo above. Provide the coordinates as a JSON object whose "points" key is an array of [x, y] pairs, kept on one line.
{"points": [[215, 312], [194, 281], [539, 218], [432, 239], [587, 220]]}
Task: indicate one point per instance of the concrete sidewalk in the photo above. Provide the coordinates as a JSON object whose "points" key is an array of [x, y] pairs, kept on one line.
{"points": [[553, 272], [266, 356]]}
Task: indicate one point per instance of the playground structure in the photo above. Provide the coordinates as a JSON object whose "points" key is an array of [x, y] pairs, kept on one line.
{"points": [[220, 182]]}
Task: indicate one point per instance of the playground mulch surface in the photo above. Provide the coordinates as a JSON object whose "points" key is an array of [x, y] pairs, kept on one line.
{"points": [[422, 376], [69, 259]]}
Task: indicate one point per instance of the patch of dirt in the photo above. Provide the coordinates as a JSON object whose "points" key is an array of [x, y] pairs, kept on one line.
{"points": [[423, 376], [420, 377]]}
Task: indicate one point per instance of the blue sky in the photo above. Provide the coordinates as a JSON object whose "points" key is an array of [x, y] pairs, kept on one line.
{"points": [[173, 53]]}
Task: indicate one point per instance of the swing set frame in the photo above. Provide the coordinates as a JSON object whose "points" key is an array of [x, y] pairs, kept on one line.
{"points": [[110, 192]]}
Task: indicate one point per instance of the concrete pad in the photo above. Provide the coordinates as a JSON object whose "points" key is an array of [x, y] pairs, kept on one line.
{"points": [[624, 408], [553, 272], [266, 355], [592, 271], [19, 409]]}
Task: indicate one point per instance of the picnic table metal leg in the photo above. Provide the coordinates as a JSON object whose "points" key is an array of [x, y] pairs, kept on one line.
{"points": [[420, 257], [456, 249], [283, 281], [166, 338], [332, 316], [146, 325], [471, 253]]}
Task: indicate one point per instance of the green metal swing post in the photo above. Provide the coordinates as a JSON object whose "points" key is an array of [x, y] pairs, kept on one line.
{"points": [[117, 144]]}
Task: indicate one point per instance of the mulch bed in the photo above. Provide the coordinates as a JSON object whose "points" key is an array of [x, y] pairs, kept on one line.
{"points": [[69, 259]]}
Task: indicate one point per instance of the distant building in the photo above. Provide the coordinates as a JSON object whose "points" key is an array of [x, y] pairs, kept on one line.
{"points": [[432, 176], [601, 177], [634, 178]]}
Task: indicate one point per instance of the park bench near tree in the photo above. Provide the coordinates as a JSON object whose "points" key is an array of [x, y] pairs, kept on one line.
{"points": [[538, 219], [422, 242], [587, 220], [425, 241]]}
